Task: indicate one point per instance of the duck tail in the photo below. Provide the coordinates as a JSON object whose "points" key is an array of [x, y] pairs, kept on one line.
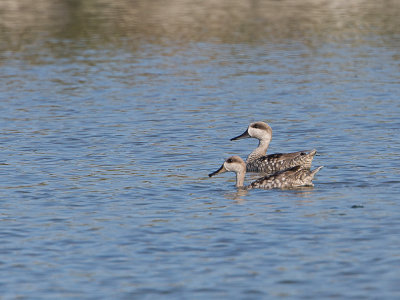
{"points": [[313, 172], [312, 152]]}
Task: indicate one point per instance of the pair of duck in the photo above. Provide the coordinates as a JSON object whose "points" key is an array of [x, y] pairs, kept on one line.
{"points": [[282, 170]]}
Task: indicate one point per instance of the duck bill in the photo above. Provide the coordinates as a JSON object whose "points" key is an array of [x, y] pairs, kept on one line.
{"points": [[244, 135], [220, 170]]}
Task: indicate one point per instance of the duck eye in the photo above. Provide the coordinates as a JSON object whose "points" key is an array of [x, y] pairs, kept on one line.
{"points": [[255, 126], [229, 160]]}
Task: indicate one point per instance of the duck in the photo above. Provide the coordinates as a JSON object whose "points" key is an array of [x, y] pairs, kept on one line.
{"points": [[259, 162], [294, 177]]}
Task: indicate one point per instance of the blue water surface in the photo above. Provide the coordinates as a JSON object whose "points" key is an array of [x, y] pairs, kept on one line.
{"points": [[105, 151]]}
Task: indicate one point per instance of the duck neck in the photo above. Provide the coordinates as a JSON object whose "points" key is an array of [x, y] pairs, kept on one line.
{"points": [[260, 151], [240, 178]]}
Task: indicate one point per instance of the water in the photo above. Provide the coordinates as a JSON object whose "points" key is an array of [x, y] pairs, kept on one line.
{"points": [[114, 113]]}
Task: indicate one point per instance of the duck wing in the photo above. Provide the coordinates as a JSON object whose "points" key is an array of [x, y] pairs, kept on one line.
{"points": [[273, 163], [294, 177]]}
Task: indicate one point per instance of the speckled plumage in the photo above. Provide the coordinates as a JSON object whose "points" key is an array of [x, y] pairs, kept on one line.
{"points": [[259, 162], [294, 177], [273, 163]]}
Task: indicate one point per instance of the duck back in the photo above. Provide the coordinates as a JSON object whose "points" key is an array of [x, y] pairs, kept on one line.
{"points": [[270, 164]]}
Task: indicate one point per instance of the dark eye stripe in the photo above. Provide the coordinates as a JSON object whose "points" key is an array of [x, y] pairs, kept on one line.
{"points": [[261, 126]]}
